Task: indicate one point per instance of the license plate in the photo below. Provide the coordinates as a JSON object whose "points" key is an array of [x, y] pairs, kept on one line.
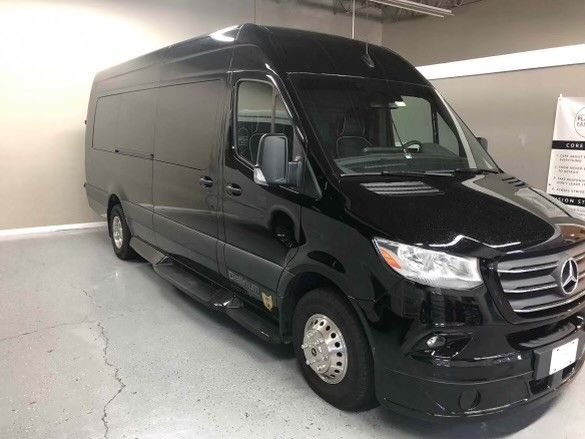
{"points": [[563, 356]]}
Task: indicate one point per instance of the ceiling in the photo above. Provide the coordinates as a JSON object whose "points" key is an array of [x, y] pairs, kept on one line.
{"points": [[394, 14], [376, 11]]}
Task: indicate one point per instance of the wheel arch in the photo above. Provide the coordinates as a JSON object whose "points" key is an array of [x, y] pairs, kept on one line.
{"points": [[299, 284]]}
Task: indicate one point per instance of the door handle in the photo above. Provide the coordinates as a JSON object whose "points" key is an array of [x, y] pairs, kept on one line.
{"points": [[234, 189], [206, 181]]}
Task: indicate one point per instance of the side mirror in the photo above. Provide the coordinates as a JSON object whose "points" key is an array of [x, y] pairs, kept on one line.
{"points": [[272, 167], [483, 142]]}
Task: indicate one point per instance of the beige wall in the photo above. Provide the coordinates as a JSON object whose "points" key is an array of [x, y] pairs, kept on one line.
{"points": [[488, 27], [514, 110], [51, 50]]}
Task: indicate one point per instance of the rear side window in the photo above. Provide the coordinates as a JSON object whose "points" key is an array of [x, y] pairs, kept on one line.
{"points": [[105, 128], [136, 121], [126, 122], [260, 110], [188, 123]]}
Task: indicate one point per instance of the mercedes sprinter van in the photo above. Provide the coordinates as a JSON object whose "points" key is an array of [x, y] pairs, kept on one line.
{"points": [[320, 192]]}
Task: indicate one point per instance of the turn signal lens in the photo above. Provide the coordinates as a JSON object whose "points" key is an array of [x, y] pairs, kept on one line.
{"points": [[387, 256]]}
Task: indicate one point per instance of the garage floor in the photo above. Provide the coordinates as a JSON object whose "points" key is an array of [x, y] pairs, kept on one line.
{"points": [[92, 347]]}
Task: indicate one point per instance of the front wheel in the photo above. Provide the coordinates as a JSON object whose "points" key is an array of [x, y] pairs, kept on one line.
{"points": [[333, 351], [120, 234]]}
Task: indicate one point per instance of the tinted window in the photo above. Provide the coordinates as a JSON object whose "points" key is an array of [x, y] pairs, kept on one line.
{"points": [[447, 137], [370, 126], [105, 128], [188, 123], [259, 111], [413, 121], [126, 122], [136, 121]]}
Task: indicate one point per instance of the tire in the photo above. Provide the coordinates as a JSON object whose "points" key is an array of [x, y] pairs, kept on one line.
{"points": [[350, 386], [121, 246]]}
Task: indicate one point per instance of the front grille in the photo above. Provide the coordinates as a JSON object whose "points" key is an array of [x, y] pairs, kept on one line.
{"points": [[532, 284]]}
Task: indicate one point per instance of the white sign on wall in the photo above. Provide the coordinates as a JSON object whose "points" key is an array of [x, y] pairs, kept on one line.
{"points": [[566, 172]]}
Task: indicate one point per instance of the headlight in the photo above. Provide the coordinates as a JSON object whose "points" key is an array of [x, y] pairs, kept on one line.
{"points": [[429, 267]]}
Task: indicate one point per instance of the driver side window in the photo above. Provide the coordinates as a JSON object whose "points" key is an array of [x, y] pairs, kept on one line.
{"points": [[447, 137], [413, 121], [260, 110]]}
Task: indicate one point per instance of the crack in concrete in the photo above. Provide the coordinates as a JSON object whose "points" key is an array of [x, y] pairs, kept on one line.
{"points": [[45, 328], [116, 377], [57, 325]]}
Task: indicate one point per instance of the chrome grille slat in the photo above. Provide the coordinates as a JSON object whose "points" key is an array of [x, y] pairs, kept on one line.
{"points": [[531, 289], [535, 283], [529, 269], [551, 305]]}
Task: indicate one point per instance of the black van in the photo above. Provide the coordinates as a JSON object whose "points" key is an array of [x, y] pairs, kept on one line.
{"points": [[320, 192]]}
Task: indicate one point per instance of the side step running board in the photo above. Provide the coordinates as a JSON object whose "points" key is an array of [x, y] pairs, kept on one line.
{"points": [[218, 299], [147, 251], [208, 294]]}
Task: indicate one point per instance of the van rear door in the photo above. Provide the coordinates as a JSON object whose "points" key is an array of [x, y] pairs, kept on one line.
{"points": [[120, 161]]}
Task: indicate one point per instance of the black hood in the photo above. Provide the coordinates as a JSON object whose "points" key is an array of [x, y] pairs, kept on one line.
{"points": [[481, 215]]}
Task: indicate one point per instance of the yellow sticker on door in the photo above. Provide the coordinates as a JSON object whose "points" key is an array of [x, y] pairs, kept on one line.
{"points": [[267, 301]]}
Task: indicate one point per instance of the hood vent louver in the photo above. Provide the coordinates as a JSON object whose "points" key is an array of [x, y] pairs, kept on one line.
{"points": [[514, 181], [401, 188]]}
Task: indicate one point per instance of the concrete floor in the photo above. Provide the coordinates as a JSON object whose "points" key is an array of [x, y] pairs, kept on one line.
{"points": [[94, 347]]}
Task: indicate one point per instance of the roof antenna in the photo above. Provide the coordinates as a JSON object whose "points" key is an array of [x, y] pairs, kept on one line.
{"points": [[367, 58]]}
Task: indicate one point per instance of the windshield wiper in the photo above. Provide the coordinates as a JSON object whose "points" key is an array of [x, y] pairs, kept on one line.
{"points": [[397, 174], [474, 171], [436, 173]]}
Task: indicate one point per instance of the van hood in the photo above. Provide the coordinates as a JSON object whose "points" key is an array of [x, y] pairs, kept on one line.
{"points": [[478, 215]]}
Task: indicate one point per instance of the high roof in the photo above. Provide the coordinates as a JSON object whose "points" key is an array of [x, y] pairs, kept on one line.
{"points": [[296, 50], [289, 50]]}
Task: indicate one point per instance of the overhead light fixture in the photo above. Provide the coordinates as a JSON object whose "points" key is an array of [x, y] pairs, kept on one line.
{"points": [[420, 8]]}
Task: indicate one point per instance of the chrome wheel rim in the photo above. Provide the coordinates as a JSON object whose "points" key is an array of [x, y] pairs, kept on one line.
{"points": [[117, 232], [325, 349]]}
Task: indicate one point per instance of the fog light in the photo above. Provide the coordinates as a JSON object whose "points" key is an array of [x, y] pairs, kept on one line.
{"points": [[436, 341], [469, 399]]}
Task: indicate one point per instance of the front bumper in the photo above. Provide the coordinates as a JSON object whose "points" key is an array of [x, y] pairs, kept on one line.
{"points": [[430, 398], [435, 387]]}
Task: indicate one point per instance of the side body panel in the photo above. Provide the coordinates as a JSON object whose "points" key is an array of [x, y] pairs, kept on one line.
{"points": [[190, 124]]}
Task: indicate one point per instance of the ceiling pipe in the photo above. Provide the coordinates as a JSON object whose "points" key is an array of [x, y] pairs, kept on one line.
{"points": [[420, 8]]}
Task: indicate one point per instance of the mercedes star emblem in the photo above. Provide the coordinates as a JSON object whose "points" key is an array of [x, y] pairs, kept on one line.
{"points": [[569, 276]]}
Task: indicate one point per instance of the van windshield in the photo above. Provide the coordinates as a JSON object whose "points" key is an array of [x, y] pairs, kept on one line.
{"points": [[375, 126]]}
